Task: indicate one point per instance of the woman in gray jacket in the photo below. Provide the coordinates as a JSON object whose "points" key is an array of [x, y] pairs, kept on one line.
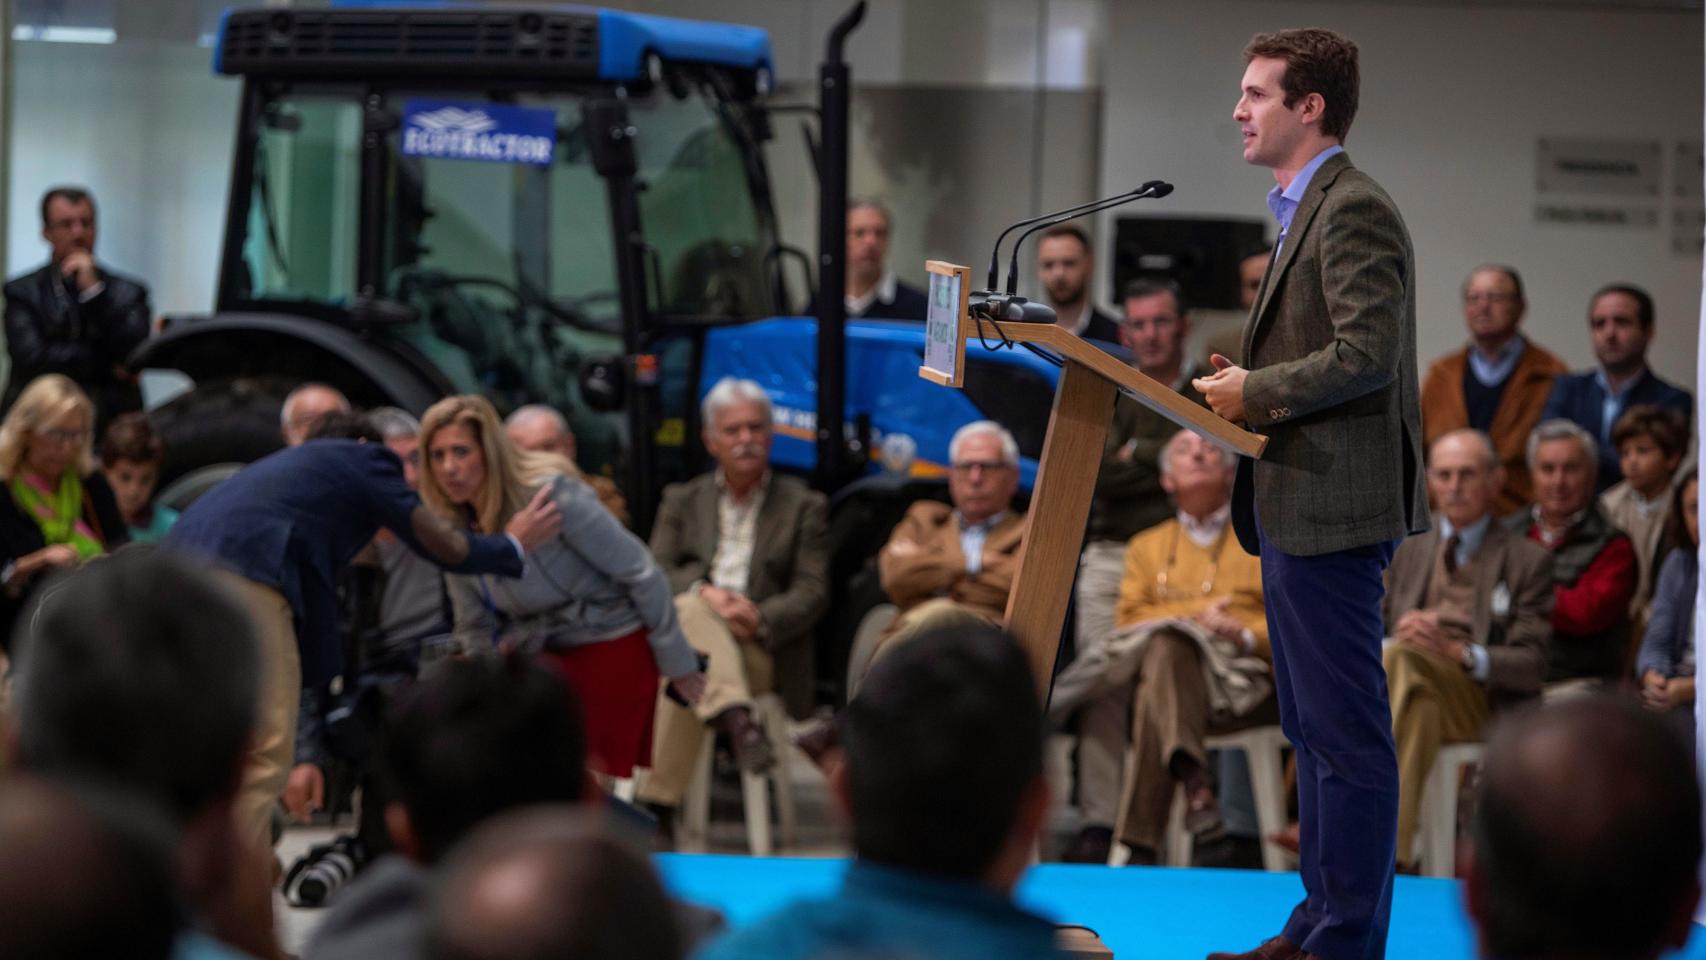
{"points": [[592, 604]]}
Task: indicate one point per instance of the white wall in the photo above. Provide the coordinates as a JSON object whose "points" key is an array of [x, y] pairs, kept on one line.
{"points": [[148, 128], [1453, 100]]}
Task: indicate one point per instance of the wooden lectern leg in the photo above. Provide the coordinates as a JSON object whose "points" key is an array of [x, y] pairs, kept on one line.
{"points": [[1060, 505]]}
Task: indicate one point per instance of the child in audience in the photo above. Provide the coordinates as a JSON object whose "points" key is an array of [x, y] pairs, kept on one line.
{"points": [[1650, 443], [130, 461], [1666, 661]]}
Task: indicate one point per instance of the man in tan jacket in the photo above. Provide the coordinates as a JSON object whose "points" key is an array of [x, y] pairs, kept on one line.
{"points": [[1469, 609], [945, 563], [1497, 383]]}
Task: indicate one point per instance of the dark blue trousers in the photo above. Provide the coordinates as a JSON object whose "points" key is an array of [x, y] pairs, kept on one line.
{"points": [[1325, 627]]}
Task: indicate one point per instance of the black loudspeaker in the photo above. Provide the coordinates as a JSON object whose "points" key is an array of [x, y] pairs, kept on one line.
{"points": [[1201, 255]]}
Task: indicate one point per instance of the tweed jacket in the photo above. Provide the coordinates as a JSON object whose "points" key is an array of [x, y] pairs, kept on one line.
{"points": [[789, 578], [1331, 352], [1512, 605], [938, 568], [1444, 409]]}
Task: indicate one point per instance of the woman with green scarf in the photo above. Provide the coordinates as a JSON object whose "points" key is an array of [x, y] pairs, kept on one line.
{"points": [[51, 518]]}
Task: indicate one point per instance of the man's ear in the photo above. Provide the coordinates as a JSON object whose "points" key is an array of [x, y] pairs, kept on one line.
{"points": [[840, 785], [401, 827], [1314, 108], [1474, 896]]}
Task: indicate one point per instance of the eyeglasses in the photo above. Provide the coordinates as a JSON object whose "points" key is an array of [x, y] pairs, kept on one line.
{"points": [[63, 437], [987, 466], [1477, 298]]}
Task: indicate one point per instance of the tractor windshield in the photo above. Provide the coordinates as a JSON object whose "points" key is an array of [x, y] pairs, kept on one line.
{"points": [[507, 260]]}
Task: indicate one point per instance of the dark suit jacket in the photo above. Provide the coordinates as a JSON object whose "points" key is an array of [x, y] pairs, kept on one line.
{"points": [[293, 520], [48, 330], [1518, 637], [1579, 397], [1101, 327], [789, 577], [1331, 350], [909, 303]]}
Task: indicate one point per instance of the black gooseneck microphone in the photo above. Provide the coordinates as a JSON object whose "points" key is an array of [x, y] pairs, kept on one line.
{"points": [[1082, 208], [1153, 189]]}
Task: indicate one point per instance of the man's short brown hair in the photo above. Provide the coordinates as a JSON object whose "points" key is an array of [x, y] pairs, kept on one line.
{"points": [[1316, 61], [1664, 427], [1072, 230]]}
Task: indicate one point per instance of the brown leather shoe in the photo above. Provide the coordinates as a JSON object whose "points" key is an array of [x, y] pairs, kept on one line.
{"points": [[1279, 948], [747, 739]]}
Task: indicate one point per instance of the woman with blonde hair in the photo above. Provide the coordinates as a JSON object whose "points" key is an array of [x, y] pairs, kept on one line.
{"points": [[54, 517], [592, 603]]}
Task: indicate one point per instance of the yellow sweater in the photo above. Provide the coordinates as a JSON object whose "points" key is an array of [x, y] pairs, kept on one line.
{"points": [[1238, 576]]}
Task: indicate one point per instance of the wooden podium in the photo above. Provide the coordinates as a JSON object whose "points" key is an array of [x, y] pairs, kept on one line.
{"points": [[1072, 449]]}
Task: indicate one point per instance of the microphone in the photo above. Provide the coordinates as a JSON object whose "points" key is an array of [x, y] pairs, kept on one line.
{"points": [[1154, 188], [995, 252]]}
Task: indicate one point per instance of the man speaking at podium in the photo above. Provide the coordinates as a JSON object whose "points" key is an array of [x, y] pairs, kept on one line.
{"points": [[1331, 381]]}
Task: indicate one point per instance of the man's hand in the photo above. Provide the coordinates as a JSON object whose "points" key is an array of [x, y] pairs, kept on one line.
{"points": [[740, 614], [305, 791], [537, 522], [1218, 621], [1655, 691], [1420, 628], [1225, 389], [902, 548], [79, 267]]}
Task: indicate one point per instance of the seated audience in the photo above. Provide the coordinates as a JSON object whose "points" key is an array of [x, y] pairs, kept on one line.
{"points": [[476, 737], [138, 675], [942, 781], [304, 405], [1666, 663], [1469, 610], [82, 877], [1651, 442], [1586, 837], [57, 515], [131, 453], [954, 561], [747, 555], [592, 602], [549, 884], [1498, 383], [75, 317], [541, 429], [1620, 320], [1593, 563], [1190, 609], [1128, 500]]}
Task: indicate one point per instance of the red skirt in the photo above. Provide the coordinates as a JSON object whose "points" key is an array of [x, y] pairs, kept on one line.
{"points": [[617, 684]]}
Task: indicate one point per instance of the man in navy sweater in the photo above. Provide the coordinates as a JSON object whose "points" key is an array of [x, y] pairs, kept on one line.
{"points": [[284, 528], [1620, 319]]}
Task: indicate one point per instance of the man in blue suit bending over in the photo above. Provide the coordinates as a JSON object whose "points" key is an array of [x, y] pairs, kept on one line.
{"points": [[1620, 320], [284, 528]]}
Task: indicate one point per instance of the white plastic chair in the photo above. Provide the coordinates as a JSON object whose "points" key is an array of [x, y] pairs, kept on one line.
{"points": [[755, 788], [1264, 751], [1438, 833]]}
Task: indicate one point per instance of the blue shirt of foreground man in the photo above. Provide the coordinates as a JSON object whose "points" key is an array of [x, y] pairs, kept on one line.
{"points": [[1331, 381], [942, 778], [285, 527]]}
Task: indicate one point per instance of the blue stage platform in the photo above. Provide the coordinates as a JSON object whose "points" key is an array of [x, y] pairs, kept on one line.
{"points": [[1141, 912]]}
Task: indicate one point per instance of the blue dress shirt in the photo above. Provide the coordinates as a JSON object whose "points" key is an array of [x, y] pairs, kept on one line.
{"points": [[1492, 371], [1284, 202]]}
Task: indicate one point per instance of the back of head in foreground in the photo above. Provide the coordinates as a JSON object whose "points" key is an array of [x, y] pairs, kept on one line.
{"points": [[943, 747], [138, 671], [475, 738], [83, 875], [1587, 836], [549, 883]]}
